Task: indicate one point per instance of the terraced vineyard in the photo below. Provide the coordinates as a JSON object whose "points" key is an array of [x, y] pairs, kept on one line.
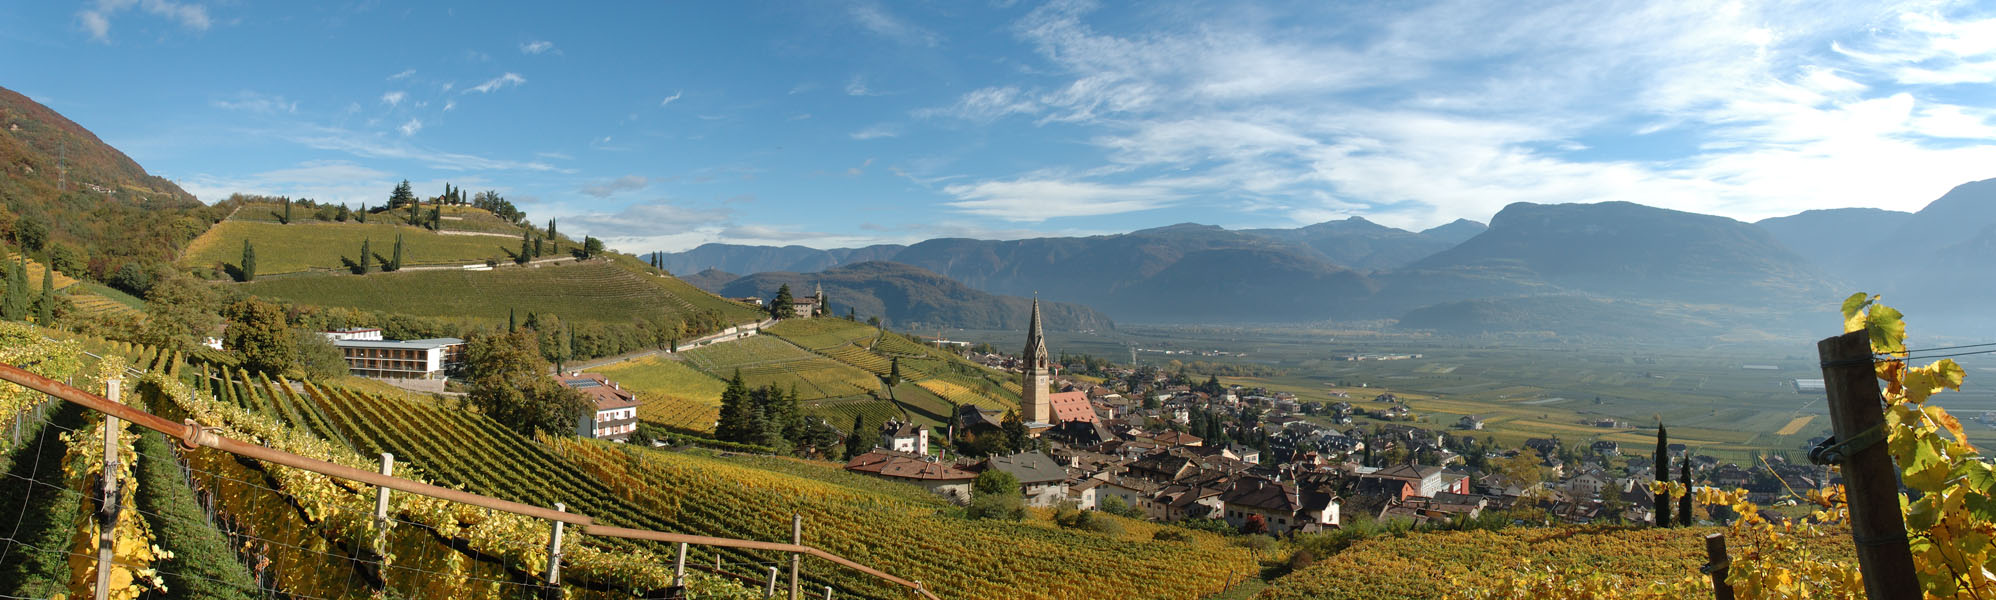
{"points": [[960, 394], [819, 334], [592, 291], [765, 360], [840, 411], [672, 393], [309, 245]]}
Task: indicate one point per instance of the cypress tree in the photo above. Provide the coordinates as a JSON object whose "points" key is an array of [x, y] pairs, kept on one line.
{"points": [[45, 309], [1662, 471], [512, 324], [526, 250], [366, 257], [554, 239], [397, 260], [287, 212], [248, 266], [360, 216], [1684, 504], [860, 440]]}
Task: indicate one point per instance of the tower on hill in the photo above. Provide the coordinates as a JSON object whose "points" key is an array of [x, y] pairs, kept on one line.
{"points": [[1035, 379]]}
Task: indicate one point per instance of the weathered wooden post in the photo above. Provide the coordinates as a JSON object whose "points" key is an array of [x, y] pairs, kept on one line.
{"points": [[796, 558], [107, 513], [679, 568], [1870, 480], [1716, 565], [828, 592], [381, 493], [771, 592], [554, 549]]}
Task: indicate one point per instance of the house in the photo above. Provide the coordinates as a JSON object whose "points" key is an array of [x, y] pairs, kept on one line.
{"points": [[937, 477], [905, 437], [1470, 422], [1082, 493], [1134, 493], [1275, 502], [1071, 406], [1585, 486], [1425, 480], [1177, 438], [1543, 446], [368, 355], [1606, 448], [1189, 502], [615, 416], [1043, 481]]}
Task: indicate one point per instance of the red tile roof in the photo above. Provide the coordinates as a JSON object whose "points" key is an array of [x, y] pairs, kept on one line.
{"points": [[1071, 406]]}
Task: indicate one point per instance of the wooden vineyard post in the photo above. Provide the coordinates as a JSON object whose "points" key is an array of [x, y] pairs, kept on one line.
{"points": [[107, 513], [679, 568], [771, 592], [381, 493], [1716, 565], [1871, 482], [828, 592], [554, 549], [796, 559]]}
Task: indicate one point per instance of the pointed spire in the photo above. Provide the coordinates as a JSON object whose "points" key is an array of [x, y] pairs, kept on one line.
{"points": [[1036, 344]]}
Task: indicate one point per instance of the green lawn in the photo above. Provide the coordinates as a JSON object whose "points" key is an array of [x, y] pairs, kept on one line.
{"points": [[593, 291]]}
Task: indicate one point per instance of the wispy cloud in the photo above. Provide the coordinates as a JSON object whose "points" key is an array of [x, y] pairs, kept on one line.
{"points": [[670, 99], [1034, 200], [627, 183], [394, 98], [250, 101], [97, 18], [857, 87], [374, 146], [410, 127], [883, 130], [404, 74], [498, 83], [538, 47], [874, 17]]}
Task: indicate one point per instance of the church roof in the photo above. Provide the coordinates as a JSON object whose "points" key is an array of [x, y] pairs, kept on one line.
{"points": [[1071, 406]]}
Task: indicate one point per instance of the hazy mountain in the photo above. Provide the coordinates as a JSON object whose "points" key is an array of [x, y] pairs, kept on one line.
{"points": [[1362, 244], [1455, 232], [711, 280], [1617, 249], [1823, 237], [912, 298], [737, 258]]}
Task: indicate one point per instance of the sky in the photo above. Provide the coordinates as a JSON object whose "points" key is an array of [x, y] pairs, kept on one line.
{"points": [[665, 125]]}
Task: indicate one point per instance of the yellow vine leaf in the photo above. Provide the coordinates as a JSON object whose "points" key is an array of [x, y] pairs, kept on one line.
{"points": [[1854, 311]]}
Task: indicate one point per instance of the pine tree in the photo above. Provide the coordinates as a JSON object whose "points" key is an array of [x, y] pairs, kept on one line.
{"points": [[366, 257], [861, 439], [736, 411], [781, 307], [1662, 471], [402, 195], [1684, 503], [45, 308], [248, 266]]}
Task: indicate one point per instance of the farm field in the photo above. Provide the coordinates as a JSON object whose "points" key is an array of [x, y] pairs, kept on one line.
{"points": [[309, 245], [672, 393], [765, 360], [591, 291]]}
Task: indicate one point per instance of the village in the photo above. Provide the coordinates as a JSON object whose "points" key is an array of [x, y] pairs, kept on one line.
{"points": [[1150, 444]]}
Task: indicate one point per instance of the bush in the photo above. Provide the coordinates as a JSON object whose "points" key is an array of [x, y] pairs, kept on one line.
{"points": [[1171, 535], [1116, 506], [1005, 507], [1087, 520]]}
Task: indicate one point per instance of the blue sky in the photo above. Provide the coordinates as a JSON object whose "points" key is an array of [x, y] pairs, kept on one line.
{"points": [[665, 125]]}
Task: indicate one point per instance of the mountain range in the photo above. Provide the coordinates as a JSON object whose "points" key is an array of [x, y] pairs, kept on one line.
{"points": [[912, 298]]}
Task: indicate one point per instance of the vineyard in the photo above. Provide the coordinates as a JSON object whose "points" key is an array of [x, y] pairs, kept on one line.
{"points": [[764, 360], [306, 245], [672, 393], [819, 334], [593, 291], [1446, 564]]}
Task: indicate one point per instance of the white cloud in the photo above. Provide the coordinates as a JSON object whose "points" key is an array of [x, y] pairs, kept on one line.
{"points": [[669, 99], [450, 105], [394, 98], [627, 183], [1455, 109], [882, 130], [97, 18], [538, 47], [333, 181], [410, 127], [404, 74], [498, 83], [1033, 200], [857, 87], [378, 147]]}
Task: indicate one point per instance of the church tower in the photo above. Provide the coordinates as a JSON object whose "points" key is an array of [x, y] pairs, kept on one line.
{"points": [[1035, 380]]}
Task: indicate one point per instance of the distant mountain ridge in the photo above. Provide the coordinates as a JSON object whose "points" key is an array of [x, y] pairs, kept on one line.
{"points": [[913, 298]]}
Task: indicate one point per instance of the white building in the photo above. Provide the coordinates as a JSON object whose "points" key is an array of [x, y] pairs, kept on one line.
{"points": [[370, 356], [615, 417]]}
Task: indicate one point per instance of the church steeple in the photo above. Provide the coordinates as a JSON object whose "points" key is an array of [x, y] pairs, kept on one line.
{"points": [[1035, 380]]}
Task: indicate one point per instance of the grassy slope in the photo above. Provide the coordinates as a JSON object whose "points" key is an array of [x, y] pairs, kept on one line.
{"points": [[596, 291], [306, 245]]}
